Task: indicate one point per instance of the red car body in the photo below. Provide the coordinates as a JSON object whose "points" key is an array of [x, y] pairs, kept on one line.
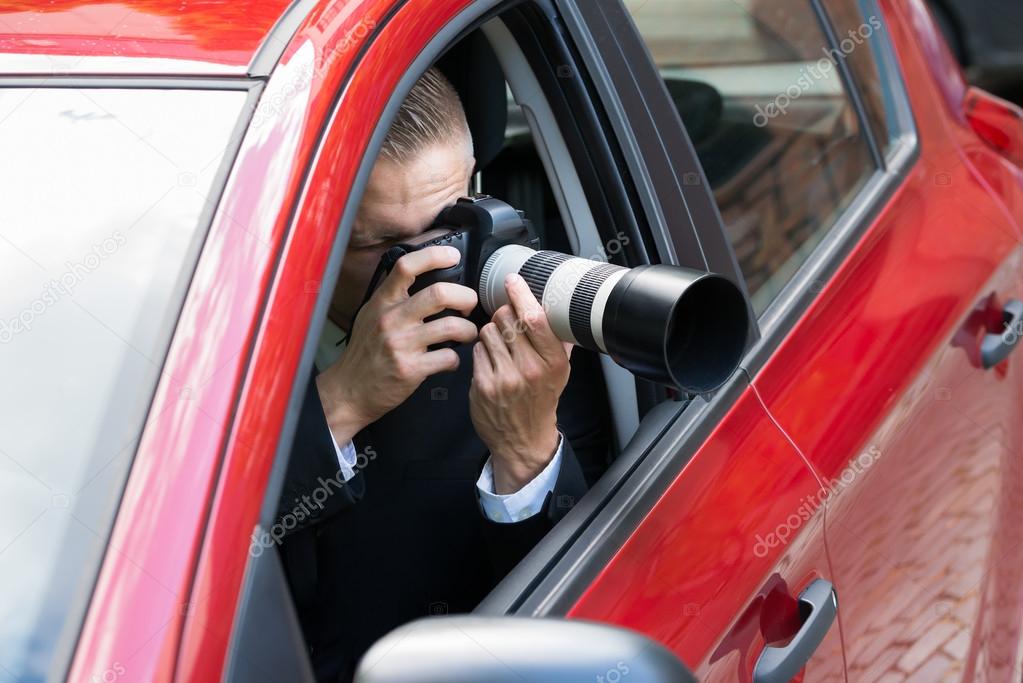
{"points": [[881, 366]]}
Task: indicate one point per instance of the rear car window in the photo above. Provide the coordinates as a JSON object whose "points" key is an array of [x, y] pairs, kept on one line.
{"points": [[773, 125], [106, 196], [851, 22]]}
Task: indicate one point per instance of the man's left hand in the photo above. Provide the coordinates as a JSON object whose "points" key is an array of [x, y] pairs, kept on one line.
{"points": [[519, 370]]}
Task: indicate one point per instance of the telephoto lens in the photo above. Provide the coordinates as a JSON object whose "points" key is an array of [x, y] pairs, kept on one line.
{"points": [[673, 325]]}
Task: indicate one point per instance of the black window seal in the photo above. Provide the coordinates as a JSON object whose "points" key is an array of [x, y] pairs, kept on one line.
{"points": [[571, 96], [610, 200], [673, 191]]}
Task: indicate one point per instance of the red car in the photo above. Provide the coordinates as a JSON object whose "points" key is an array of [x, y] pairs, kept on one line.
{"points": [[179, 180]]}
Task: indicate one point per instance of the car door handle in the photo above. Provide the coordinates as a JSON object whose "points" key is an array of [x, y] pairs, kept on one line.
{"points": [[996, 347], [818, 605]]}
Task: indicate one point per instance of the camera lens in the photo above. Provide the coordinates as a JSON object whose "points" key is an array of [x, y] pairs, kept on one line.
{"points": [[669, 324]]}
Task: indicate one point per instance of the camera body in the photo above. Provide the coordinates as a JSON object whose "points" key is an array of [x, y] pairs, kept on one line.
{"points": [[477, 226]]}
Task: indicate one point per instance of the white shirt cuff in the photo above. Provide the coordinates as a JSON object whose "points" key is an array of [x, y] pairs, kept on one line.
{"points": [[346, 457], [524, 503]]}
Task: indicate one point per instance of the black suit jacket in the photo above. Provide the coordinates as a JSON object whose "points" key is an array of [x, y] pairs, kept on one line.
{"points": [[406, 537]]}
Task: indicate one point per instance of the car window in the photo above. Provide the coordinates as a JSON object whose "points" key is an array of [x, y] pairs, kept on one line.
{"points": [[771, 121], [856, 28], [100, 225]]}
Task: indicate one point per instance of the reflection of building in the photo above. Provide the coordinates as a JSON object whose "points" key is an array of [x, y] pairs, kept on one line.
{"points": [[770, 121]]}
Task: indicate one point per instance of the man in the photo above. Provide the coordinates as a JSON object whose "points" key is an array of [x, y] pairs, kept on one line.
{"points": [[452, 459]]}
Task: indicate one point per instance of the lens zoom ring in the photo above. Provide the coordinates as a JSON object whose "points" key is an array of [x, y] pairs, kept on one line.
{"points": [[536, 271], [579, 309]]}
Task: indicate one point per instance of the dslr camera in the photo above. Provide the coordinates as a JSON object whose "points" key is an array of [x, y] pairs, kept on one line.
{"points": [[681, 327]]}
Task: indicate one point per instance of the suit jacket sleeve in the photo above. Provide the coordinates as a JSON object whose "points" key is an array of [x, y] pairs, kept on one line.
{"points": [[583, 418], [314, 487], [509, 543]]}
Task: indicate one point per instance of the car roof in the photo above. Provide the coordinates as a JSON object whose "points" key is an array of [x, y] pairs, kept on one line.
{"points": [[139, 37]]}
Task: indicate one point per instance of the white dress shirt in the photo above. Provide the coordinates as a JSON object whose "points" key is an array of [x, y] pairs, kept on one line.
{"points": [[512, 507]]}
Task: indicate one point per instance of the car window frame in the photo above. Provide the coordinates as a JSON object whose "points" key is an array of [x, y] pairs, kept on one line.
{"points": [[555, 572]]}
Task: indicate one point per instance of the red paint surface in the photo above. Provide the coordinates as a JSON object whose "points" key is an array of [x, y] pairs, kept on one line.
{"points": [[880, 387], [216, 31], [922, 542], [739, 524]]}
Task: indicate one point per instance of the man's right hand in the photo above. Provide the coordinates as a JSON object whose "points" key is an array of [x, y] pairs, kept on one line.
{"points": [[387, 357]]}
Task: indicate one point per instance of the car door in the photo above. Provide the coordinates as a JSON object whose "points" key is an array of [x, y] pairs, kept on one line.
{"points": [[709, 543], [882, 383]]}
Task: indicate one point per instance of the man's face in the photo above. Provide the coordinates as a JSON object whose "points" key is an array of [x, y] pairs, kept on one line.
{"points": [[400, 202]]}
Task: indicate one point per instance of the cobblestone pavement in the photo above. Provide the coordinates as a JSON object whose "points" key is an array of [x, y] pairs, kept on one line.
{"points": [[927, 544]]}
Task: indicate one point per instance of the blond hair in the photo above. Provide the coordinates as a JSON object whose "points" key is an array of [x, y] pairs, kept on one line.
{"points": [[431, 114]]}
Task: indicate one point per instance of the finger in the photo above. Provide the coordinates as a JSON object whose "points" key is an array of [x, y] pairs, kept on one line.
{"points": [[448, 328], [441, 296], [482, 368], [500, 358], [513, 333], [534, 319], [411, 265], [441, 360]]}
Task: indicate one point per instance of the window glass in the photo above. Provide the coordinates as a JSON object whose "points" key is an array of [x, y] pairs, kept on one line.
{"points": [[855, 29], [99, 230], [772, 124]]}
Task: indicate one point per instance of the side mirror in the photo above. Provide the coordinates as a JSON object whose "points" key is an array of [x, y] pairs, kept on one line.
{"points": [[470, 649]]}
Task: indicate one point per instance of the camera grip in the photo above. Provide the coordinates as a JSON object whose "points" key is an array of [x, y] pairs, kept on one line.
{"points": [[453, 275]]}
